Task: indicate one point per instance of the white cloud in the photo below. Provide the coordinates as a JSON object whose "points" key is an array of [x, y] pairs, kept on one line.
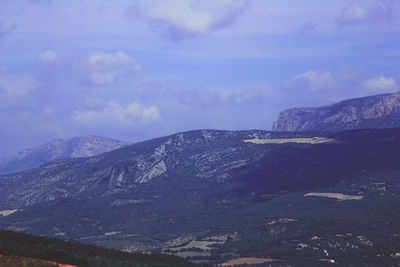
{"points": [[381, 83], [323, 87], [204, 97], [150, 113], [178, 19], [48, 57], [191, 96], [11, 85], [114, 113], [312, 81], [353, 13], [102, 68], [365, 11], [250, 96]]}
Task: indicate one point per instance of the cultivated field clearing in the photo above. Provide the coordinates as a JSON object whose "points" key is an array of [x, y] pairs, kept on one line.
{"points": [[247, 261], [187, 254], [7, 212], [112, 233], [204, 245], [312, 140], [338, 196]]}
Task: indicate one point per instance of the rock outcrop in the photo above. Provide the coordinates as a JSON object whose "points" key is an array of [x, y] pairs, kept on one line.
{"points": [[378, 111]]}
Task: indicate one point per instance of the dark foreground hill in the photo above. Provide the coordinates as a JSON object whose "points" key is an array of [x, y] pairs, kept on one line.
{"points": [[18, 249], [75, 147], [378, 111], [295, 198]]}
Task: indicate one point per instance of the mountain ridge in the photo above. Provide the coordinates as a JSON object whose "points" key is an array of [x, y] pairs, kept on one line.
{"points": [[210, 195], [74, 147], [377, 111]]}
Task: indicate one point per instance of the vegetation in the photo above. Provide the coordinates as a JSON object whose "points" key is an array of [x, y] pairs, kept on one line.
{"points": [[28, 249], [204, 209]]}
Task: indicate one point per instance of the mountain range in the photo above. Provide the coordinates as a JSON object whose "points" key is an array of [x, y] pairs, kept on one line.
{"points": [[319, 195], [378, 111], [214, 196], [75, 147]]}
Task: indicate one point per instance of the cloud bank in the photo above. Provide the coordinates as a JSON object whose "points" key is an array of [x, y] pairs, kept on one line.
{"points": [[366, 11], [180, 19], [325, 87], [114, 113], [48, 57], [101, 68], [14, 86]]}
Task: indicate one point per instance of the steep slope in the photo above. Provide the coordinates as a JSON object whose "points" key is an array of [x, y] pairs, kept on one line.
{"points": [[217, 195], [82, 146], [196, 155], [378, 111]]}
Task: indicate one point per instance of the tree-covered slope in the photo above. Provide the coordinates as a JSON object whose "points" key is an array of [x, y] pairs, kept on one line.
{"points": [[17, 248]]}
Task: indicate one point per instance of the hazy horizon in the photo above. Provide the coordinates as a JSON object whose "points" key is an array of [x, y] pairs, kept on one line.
{"points": [[139, 69]]}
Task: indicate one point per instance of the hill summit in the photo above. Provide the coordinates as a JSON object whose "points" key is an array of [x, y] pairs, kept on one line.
{"points": [[75, 147]]}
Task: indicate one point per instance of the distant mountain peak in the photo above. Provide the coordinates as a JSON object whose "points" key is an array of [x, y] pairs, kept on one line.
{"points": [[377, 111], [74, 147]]}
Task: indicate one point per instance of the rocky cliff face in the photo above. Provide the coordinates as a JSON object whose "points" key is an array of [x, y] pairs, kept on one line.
{"points": [[378, 111], [82, 146]]}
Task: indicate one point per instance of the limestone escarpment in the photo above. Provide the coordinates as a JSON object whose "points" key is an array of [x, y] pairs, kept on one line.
{"points": [[378, 111]]}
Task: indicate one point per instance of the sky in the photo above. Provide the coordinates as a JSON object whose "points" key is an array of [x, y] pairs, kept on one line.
{"points": [[139, 69]]}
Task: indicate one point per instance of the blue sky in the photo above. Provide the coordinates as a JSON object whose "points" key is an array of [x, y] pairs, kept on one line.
{"points": [[138, 69]]}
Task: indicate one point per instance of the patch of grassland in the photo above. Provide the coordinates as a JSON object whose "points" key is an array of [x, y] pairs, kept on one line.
{"points": [[312, 140]]}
